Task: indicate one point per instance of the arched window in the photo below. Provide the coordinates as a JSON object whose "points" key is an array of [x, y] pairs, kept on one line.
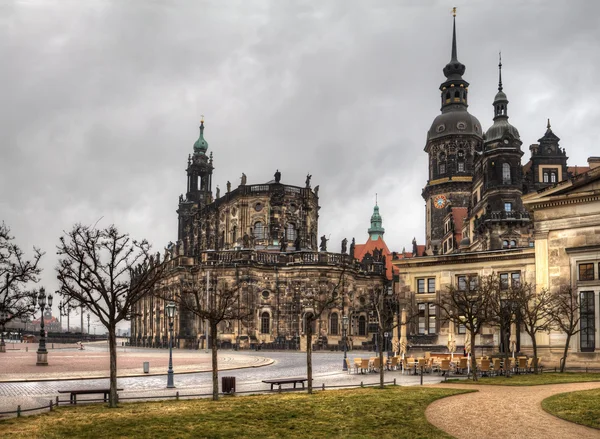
{"points": [[442, 164], [290, 232], [456, 95], [505, 244], [505, 173], [362, 325], [333, 324], [234, 234], [259, 230], [513, 244], [447, 96], [265, 323]]}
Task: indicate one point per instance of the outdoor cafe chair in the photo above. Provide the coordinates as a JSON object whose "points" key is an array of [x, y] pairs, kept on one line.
{"points": [[365, 365], [484, 368], [433, 365], [497, 368], [508, 365], [463, 364], [422, 364], [522, 365], [445, 367], [394, 363], [404, 365], [376, 363], [351, 366], [411, 363]]}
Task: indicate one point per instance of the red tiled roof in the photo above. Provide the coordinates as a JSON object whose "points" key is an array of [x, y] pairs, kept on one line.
{"points": [[360, 250], [576, 170]]}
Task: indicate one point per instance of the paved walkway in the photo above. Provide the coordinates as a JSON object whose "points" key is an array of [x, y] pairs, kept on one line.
{"points": [[506, 412], [93, 362]]}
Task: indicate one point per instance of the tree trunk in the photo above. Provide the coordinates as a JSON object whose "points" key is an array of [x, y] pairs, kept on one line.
{"points": [[565, 353], [215, 365], [473, 360], [534, 345], [113, 398], [309, 355], [506, 354], [381, 373]]}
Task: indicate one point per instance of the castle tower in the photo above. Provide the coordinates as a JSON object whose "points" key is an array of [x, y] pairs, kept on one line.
{"points": [[454, 137]]}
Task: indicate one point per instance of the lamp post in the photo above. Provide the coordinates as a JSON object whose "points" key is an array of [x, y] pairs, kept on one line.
{"points": [[170, 308], [3, 317], [42, 353], [344, 338]]}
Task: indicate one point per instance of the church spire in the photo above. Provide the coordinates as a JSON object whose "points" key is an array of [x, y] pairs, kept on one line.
{"points": [[201, 144], [499, 71], [500, 100], [454, 89], [376, 231]]}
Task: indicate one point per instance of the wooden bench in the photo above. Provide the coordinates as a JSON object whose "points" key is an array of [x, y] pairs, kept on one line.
{"points": [[281, 381], [74, 392]]}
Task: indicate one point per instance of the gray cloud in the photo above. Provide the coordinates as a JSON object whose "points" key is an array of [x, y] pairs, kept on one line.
{"points": [[102, 99]]}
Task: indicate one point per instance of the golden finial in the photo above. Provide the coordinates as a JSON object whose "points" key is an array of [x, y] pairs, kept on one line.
{"points": [[454, 11]]}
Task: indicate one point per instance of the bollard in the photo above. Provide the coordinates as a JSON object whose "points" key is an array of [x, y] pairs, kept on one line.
{"points": [[177, 395], [18, 411], [57, 401], [361, 384], [323, 388], [280, 388], [50, 405], [394, 381], [421, 375]]}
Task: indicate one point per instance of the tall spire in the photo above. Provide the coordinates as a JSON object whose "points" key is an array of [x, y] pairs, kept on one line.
{"points": [[500, 71], [201, 145], [454, 55], [376, 231]]}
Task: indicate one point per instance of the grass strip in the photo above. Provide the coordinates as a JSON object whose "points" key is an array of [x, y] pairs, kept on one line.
{"points": [[393, 412], [532, 379], [582, 407]]}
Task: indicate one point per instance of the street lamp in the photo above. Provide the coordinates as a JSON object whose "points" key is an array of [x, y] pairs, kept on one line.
{"points": [[42, 353], [3, 318], [344, 338], [170, 308]]}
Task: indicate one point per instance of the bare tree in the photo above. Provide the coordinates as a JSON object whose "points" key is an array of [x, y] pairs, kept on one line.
{"points": [[316, 298], [467, 304], [224, 302], [535, 309], [385, 307], [107, 272], [565, 315], [17, 273]]}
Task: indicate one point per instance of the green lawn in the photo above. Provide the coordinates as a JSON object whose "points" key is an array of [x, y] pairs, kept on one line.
{"points": [[581, 407], [534, 380], [393, 412]]}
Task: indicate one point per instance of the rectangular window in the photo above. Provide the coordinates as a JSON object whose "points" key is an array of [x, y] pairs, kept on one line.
{"points": [[461, 166], [586, 271], [426, 285], [462, 283], [508, 207], [516, 279], [587, 324], [442, 168], [432, 323], [431, 285], [422, 320], [462, 329]]}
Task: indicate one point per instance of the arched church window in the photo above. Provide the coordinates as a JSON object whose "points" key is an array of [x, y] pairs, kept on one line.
{"points": [[447, 96], [265, 323], [513, 243], [333, 324], [234, 234], [290, 232], [505, 244], [259, 230], [457, 94], [505, 173]]}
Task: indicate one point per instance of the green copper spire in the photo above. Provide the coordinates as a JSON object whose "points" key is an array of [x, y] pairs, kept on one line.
{"points": [[201, 145], [376, 231]]}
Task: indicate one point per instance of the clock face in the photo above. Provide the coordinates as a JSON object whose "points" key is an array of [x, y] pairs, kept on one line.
{"points": [[439, 201]]}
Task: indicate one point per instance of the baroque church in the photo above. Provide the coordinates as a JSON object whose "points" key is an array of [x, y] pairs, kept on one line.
{"points": [[487, 212], [263, 238]]}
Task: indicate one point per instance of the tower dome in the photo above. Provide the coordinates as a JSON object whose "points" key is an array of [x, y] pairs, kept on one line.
{"points": [[201, 145]]}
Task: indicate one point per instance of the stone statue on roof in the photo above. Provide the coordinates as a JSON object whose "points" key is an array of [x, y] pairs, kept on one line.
{"points": [[352, 248], [277, 176], [344, 245], [243, 178]]}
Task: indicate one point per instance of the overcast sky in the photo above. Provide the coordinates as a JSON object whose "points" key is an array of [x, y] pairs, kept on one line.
{"points": [[101, 102]]}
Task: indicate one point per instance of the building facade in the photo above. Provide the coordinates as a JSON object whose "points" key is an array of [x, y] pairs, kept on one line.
{"points": [[261, 239], [487, 213]]}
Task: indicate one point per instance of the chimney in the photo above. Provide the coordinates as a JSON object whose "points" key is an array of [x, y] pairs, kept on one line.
{"points": [[593, 162]]}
